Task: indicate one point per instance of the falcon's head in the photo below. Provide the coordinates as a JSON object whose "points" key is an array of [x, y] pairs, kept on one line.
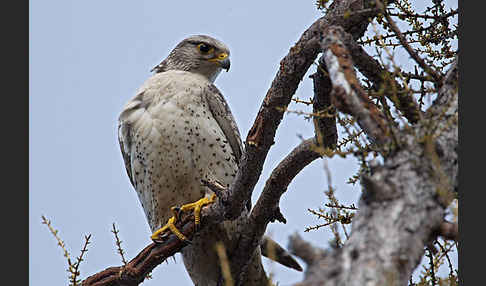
{"points": [[199, 54]]}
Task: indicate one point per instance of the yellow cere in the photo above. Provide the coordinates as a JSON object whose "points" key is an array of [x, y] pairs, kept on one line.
{"points": [[219, 57]]}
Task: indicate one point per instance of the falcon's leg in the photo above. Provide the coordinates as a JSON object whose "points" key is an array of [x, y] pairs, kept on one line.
{"points": [[170, 226]]}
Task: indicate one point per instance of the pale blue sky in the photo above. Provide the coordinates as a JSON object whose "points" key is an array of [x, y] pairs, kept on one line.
{"points": [[87, 58]]}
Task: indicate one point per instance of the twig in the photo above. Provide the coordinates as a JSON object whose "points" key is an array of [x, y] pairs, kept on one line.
{"points": [[445, 252], [60, 242], [424, 16], [374, 39], [79, 259], [297, 100], [216, 187], [118, 244], [351, 207], [273, 250], [437, 77], [430, 255], [73, 268]]}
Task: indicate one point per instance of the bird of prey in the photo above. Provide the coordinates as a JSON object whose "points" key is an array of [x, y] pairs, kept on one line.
{"points": [[176, 131]]}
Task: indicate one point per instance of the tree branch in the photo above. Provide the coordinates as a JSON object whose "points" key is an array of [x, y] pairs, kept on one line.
{"points": [[348, 96], [324, 126], [135, 271], [301, 248]]}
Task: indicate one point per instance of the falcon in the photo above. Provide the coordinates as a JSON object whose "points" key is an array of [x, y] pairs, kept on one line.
{"points": [[176, 131]]}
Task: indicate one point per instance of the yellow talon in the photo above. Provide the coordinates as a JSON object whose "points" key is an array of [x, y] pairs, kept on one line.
{"points": [[170, 226], [197, 207]]}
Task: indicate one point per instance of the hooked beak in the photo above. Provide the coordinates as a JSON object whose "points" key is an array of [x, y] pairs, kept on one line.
{"points": [[223, 60], [225, 64]]}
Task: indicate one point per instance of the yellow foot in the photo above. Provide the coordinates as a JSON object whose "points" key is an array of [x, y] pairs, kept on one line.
{"points": [[170, 226], [197, 206]]}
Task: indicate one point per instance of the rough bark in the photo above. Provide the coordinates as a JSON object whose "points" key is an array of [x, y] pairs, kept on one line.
{"points": [[347, 94], [324, 125]]}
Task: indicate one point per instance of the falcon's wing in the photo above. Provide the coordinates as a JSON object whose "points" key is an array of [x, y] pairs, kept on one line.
{"points": [[125, 143], [222, 113], [125, 132]]}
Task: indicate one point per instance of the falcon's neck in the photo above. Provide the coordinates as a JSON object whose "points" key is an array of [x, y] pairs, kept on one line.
{"points": [[209, 72]]}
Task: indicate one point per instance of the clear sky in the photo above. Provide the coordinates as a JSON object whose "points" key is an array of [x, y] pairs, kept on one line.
{"points": [[87, 58]]}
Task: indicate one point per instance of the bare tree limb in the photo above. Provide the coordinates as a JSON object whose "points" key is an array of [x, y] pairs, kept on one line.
{"points": [[324, 126], [301, 248], [348, 96], [135, 271], [272, 249]]}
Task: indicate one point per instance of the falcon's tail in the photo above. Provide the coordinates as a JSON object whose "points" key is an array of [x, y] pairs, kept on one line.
{"points": [[272, 250]]}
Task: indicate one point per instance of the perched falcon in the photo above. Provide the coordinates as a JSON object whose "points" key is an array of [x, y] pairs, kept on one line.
{"points": [[176, 131]]}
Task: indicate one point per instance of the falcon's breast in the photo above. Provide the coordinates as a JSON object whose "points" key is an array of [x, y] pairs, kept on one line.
{"points": [[177, 130]]}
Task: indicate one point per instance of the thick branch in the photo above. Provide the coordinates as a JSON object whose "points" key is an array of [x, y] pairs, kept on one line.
{"points": [[325, 125]]}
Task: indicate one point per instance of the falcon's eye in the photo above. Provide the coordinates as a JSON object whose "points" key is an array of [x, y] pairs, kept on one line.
{"points": [[204, 48]]}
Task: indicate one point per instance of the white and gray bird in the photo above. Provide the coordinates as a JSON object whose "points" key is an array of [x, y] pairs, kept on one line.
{"points": [[177, 130]]}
